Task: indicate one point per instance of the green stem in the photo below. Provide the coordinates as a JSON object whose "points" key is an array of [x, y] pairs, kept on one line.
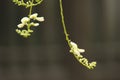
{"points": [[30, 11], [22, 1], [63, 22]]}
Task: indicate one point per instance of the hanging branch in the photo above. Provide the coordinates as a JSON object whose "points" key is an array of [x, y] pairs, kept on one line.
{"points": [[73, 46]]}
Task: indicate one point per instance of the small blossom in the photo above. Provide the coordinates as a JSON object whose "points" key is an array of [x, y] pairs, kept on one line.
{"points": [[20, 25], [81, 50], [75, 50], [24, 20], [73, 44], [34, 16], [34, 24], [41, 19]]}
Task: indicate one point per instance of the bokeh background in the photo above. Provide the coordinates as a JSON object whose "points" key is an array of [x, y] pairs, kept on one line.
{"points": [[93, 24]]}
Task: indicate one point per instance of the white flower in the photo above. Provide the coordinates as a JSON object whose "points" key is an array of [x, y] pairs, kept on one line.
{"points": [[41, 19], [34, 24], [24, 20], [75, 50], [34, 16], [20, 25]]}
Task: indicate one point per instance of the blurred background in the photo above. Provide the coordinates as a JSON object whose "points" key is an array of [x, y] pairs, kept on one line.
{"points": [[93, 24]]}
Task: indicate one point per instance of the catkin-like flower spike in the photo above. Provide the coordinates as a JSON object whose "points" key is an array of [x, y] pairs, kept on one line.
{"points": [[77, 53], [73, 46]]}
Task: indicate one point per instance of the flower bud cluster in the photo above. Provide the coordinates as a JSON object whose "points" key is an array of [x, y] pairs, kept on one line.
{"points": [[77, 53], [28, 3], [27, 23]]}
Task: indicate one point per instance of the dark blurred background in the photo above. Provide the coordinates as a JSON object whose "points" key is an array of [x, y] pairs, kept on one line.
{"points": [[93, 24]]}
